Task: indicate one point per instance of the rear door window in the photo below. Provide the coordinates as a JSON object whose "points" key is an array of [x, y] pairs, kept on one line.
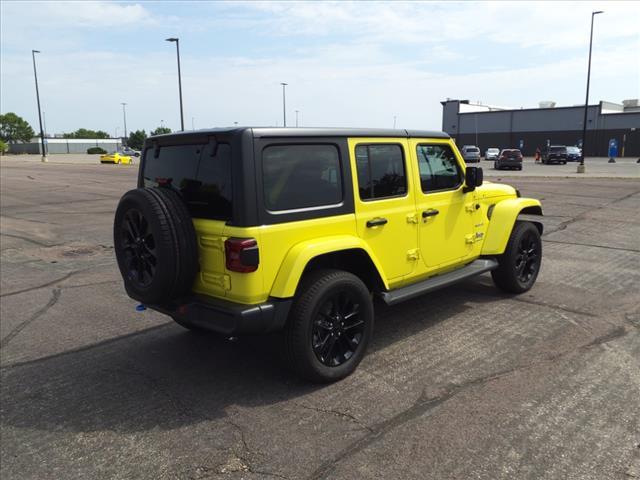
{"points": [[301, 176], [201, 174]]}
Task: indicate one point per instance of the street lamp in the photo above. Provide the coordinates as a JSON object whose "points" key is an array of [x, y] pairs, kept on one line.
{"points": [[124, 115], [581, 168], [35, 74], [177, 42], [297, 117], [284, 103]]}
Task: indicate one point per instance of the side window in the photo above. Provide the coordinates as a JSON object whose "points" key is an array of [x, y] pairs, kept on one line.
{"points": [[438, 167], [301, 176], [381, 172]]}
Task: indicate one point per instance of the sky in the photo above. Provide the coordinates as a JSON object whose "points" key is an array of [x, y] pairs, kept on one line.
{"points": [[346, 64]]}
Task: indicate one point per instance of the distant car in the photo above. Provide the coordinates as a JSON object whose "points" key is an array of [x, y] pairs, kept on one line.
{"points": [[554, 154], [470, 153], [491, 153], [117, 158], [130, 151], [573, 154], [509, 158]]}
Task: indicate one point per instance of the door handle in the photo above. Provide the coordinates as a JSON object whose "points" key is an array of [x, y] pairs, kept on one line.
{"points": [[376, 222], [430, 213]]}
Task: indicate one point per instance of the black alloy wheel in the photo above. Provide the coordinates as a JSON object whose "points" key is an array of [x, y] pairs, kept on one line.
{"points": [[527, 257], [337, 329], [155, 245], [519, 265], [329, 326], [139, 248]]}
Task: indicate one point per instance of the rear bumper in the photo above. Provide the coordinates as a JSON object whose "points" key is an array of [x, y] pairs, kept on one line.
{"points": [[509, 163], [229, 318]]}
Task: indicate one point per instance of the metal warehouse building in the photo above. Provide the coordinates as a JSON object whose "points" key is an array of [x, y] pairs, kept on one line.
{"points": [[66, 145], [528, 128]]}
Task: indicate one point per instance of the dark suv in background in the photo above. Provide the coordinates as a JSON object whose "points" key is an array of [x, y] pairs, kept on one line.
{"points": [[509, 158], [554, 154]]}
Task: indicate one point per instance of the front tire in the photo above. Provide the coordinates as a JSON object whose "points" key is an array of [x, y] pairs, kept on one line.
{"points": [[329, 327], [520, 263]]}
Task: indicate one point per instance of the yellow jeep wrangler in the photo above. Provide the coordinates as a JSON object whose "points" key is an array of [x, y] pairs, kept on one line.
{"points": [[256, 230]]}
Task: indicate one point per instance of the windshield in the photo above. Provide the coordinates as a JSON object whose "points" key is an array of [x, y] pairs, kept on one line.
{"points": [[573, 150]]}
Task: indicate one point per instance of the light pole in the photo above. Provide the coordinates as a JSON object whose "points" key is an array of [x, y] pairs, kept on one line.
{"points": [[581, 168], [284, 103], [124, 116], [394, 121], [193, 123], [177, 42], [297, 117], [35, 74]]}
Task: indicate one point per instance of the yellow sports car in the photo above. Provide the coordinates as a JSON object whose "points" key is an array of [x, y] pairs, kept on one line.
{"points": [[116, 157]]}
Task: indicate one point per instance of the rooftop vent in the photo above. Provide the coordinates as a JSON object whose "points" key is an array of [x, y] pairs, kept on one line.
{"points": [[632, 102], [547, 104]]}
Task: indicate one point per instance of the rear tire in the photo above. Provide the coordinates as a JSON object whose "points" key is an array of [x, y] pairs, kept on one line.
{"points": [[520, 263], [155, 245], [329, 327]]}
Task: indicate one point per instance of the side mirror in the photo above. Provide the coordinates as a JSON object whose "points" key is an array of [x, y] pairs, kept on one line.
{"points": [[473, 178]]}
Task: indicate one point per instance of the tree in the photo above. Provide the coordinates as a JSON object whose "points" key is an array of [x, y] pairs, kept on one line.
{"points": [[136, 139], [15, 129], [160, 131], [86, 133]]}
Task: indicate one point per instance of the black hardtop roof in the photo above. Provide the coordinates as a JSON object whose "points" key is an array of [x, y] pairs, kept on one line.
{"points": [[259, 132]]}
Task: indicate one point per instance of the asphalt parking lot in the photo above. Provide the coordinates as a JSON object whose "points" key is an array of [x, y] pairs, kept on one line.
{"points": [[465, 383]]}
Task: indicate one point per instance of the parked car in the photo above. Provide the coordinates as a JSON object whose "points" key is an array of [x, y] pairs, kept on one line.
{"points": [[256, 230], [554, 154], [573, 154], [509, 158], [130, 151], [470, 153], [491, 153], [116, 157]]}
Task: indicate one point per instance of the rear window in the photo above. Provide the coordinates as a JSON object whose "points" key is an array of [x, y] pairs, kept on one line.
{"points": [[301, 176], [202, 178]]}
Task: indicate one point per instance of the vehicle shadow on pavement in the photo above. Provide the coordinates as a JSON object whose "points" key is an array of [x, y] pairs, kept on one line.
{"points": [[166, 378]]}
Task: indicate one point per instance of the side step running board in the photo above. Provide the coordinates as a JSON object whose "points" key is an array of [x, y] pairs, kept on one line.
{"points": [[439, 281]]}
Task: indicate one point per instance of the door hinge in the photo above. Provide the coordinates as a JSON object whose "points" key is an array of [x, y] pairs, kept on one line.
{"points": [[412, 218], [413, 254], [471, 238], [470, 207]]}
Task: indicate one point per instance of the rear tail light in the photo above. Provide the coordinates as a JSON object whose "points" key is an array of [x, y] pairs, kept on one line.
{"points": [[241, 254]]}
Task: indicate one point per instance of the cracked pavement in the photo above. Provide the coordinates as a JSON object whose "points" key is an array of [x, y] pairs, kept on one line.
{"points": [[463, 383]]}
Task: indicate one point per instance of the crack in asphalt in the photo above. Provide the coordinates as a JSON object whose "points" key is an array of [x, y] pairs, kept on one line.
{"points": [[423, 405], [55, 295], [338, 413], [554, 306], [28, 220], [53, 282], [30, 240], [608, 337], [247, 451], [86, 348], [592, 245], [563, 225]]}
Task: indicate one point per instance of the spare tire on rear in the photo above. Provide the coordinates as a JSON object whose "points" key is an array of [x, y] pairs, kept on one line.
{"points": [[155, 244]]}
